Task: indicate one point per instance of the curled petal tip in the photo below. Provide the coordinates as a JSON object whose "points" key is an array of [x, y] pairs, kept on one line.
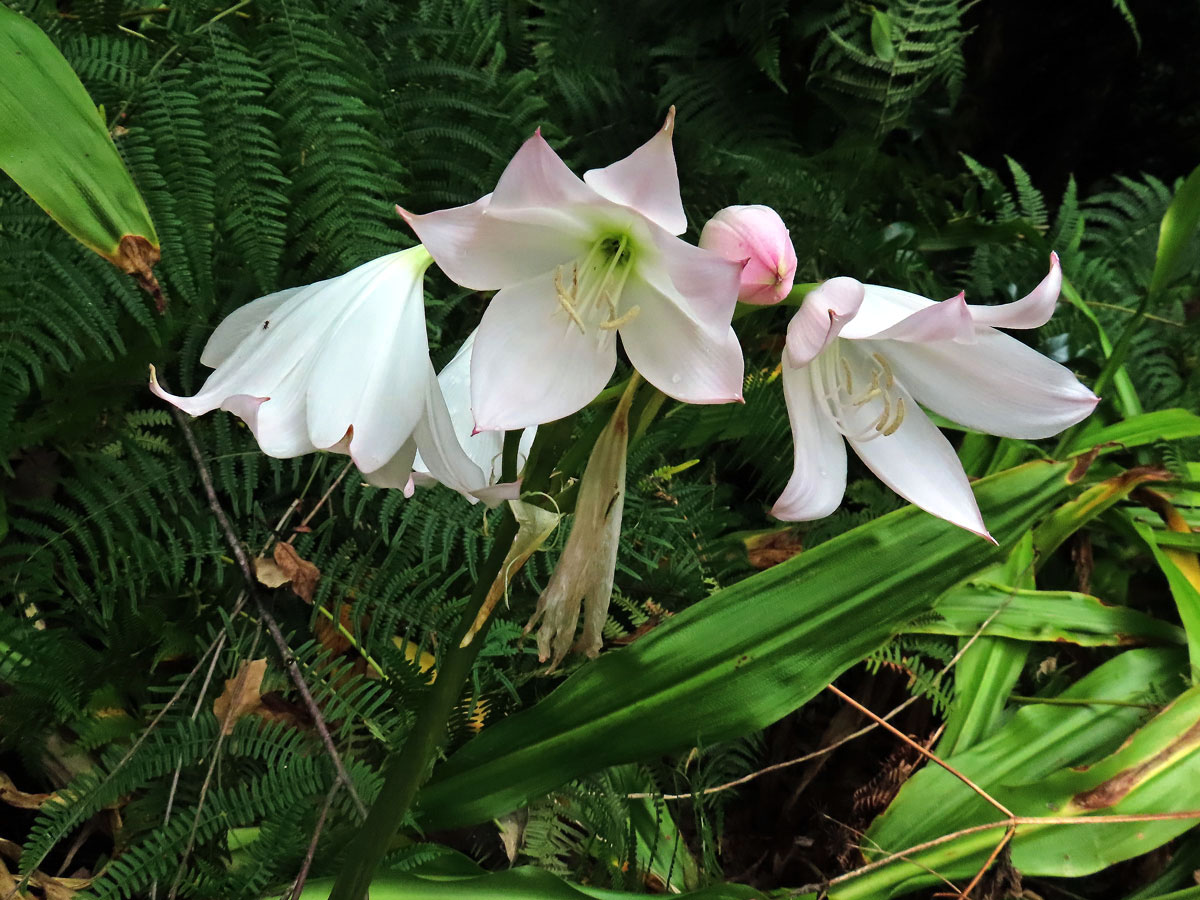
{"points": [[1054, 261], [669, 122], [404, 214]]}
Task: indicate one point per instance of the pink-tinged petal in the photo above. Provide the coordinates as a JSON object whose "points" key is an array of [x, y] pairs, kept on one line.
{"points": [[678, 353], [882, 307], [700, 280], [440, 449], [646, 180], [277, 422], [918, 463], [484, 253], [819, 470], [370, 372], [822, 316], [949, 320], [758, 236], [242, 322], [1031, 311], [537, 177], [484, 447], [996, 385], [531, 364]]}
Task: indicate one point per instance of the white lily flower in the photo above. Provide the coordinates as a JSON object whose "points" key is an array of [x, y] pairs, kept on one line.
{"points": [[860, 357], [339, 365], [576, 262], [485, 448]]}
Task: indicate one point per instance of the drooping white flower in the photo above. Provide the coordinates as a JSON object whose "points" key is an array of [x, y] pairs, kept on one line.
{"points": [[484, 447], [576, 262], [858, 360], [756, 236], [339, 365]]}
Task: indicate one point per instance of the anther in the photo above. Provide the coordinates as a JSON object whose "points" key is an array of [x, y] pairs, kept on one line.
{"points": [[629, 316]]}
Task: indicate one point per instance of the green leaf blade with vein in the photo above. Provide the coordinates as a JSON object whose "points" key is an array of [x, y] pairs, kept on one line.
{"points": [[740, 659]]}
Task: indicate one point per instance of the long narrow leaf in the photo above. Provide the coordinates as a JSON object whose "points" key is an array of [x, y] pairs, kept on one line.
{"points": [[740, 659]]}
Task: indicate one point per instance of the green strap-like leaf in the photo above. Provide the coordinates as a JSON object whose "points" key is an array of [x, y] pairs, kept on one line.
{"points": [[740, 659], [54, 144]]}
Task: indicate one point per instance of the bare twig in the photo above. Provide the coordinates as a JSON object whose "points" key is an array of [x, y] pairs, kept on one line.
{"points": [[775, 767], [297, 887], [928, 754], [1011, 822], [243, 561]]}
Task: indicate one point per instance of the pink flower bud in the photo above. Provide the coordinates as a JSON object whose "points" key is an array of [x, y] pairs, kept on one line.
{"points": [[758, 236]]}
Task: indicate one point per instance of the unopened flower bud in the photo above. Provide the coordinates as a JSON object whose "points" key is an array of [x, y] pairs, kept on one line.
{"points": [[758, 236]]}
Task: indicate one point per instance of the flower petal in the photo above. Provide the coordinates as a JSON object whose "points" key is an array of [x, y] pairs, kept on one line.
{"points": [[395, 473], [439, 446], [676, 351], [383, 323], [882, 307], [918, 463], [484, 447], [537, 176], [1031, 311], [996, 385], [239, 324], [949, 320], [483, 252], [819, 470], [646, 180], [706, 283], [531, 364], [821, 317]]}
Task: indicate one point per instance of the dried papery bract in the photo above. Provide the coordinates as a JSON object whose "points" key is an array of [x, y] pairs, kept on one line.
{"points": [[584, 574]]}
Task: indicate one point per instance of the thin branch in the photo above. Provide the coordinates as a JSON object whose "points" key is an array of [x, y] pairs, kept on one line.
{"points": [[1011, 822], [775, 767], [243, 561], [928, 754], [297, 887]]}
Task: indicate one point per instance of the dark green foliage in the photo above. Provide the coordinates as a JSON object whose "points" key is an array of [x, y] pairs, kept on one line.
{"points": [[271, 141]]}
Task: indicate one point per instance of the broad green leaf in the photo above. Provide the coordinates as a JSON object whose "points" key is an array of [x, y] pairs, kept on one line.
{"points": [[55, 146], [1176, 231], [1028, 765], [1098, 498], [1046, 616], [1161, 425], [739, 659], [521, 883], [988, 669], [1183, 579]]}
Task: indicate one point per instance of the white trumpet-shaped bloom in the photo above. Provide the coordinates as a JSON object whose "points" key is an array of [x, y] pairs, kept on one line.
{"points": [[577, 262], [484, 447], [858, 360], [339, 365]]}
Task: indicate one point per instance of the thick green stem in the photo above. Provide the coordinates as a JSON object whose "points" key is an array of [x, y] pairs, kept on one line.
{"points": [[405, 771]]}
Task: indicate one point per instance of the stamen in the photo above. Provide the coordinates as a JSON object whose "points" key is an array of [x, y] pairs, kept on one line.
{"points": [[887, 432], [849, 377], [564, 298], [629, 316], [888, 378]]}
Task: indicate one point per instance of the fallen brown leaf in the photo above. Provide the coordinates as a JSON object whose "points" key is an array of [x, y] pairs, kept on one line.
{"points": [[242, 694], [300, 572], [13, 796]]}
